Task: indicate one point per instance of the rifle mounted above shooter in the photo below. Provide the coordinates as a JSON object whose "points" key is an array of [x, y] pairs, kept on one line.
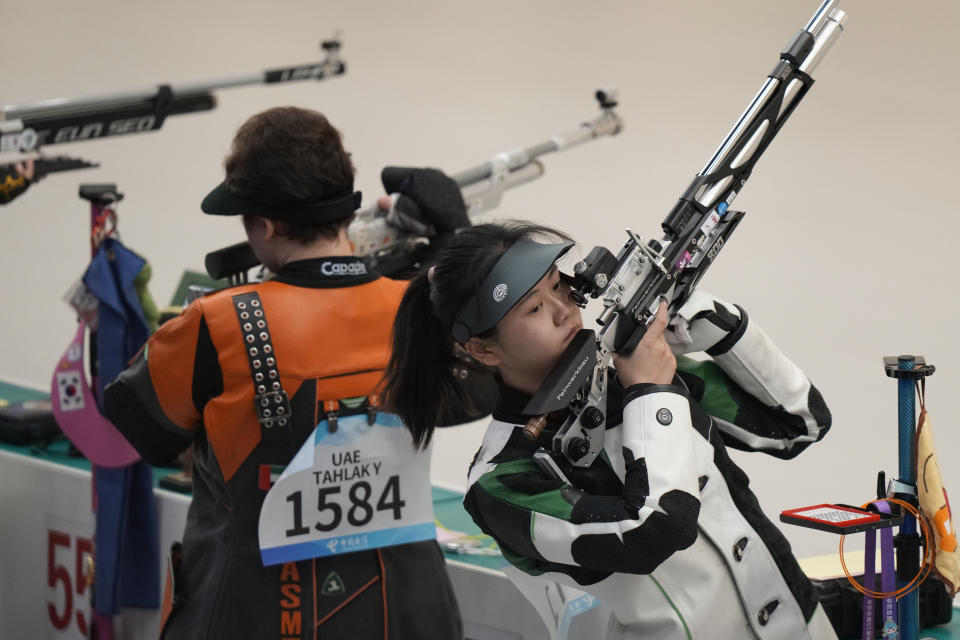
{"points": [[391, 250], [632, 283]]}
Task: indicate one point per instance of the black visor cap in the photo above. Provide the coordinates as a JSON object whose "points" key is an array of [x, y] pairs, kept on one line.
{"points": [[513, 276], [223, 202]]}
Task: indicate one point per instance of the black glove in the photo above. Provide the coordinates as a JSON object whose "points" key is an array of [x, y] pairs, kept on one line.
{"points": [[429, 201]]}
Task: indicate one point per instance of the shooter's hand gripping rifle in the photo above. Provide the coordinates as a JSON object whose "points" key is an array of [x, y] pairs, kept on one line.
{"points": [[632, 283], [390, 249]]}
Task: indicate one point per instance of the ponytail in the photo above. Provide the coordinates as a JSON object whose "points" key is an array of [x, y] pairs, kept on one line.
{"points": [[420, 380]]}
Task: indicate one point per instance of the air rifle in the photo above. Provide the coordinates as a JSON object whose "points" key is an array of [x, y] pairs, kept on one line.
{"points": [[28, 127], [388, 248], [633, 282]]}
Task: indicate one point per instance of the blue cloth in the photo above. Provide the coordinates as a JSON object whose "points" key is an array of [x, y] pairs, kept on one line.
{"points": [[127, 542], [121, 326], [126, 537]]}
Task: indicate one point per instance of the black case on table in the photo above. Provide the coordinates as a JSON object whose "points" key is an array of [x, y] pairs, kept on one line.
{"points": [[29, 422]]}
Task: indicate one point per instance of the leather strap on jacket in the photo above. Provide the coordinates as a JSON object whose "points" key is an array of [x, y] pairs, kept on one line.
{"points": [[270, 399]]}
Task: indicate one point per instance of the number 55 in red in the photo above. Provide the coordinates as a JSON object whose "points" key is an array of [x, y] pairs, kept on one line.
{"points": [[58, 573]]}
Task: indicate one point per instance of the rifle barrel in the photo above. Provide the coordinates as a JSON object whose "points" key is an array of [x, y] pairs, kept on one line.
{"points": [[60, 106], [820, 16], [608, 123], [827, 35], [825, 25]]}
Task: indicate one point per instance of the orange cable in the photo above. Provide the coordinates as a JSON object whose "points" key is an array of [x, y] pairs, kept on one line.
{"points": [[383, 585], [348, 600], [925, 567]]}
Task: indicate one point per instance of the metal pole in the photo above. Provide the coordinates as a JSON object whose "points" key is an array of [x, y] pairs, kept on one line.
{"points": [[910, 603]]}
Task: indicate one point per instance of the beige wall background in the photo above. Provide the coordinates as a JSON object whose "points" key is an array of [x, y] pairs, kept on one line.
{"points": [[847, 253]]}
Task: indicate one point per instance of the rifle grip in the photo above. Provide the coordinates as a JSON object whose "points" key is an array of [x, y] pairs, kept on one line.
{"points": [[534, 426], [628, 336]]}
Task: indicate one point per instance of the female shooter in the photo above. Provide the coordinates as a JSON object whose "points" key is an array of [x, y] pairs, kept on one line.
{"points": [[662, 527]]}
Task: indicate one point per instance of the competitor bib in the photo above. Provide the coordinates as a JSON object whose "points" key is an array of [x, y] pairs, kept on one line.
{"points": [[362, 487]]}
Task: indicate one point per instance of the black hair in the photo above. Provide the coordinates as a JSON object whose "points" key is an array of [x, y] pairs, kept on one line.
{"points": [[420, 384]]}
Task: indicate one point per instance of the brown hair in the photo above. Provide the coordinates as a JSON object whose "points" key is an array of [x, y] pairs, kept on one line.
{"points": [[289, 154]]}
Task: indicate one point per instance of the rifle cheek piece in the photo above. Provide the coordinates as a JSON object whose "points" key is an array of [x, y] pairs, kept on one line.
{"points": [[516, 272]]}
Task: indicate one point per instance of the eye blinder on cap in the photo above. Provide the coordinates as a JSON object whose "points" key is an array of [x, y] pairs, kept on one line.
{"points": [[516, 272]]}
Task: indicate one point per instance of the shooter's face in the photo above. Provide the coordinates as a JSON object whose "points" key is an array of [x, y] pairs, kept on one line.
{"points": [[533, 335]]}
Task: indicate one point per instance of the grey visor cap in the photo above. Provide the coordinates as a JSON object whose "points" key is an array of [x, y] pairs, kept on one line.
{"points": [[512, 277]]}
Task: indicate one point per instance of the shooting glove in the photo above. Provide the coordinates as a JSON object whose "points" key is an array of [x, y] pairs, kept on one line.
{"points": [[705, 323], [424, 202]]}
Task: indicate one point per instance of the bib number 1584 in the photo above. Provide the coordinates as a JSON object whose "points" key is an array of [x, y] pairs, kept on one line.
{"points": [[355, 501]]}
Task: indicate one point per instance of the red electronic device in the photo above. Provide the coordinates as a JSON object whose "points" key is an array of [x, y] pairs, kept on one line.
{"points": [[839, 518]]}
